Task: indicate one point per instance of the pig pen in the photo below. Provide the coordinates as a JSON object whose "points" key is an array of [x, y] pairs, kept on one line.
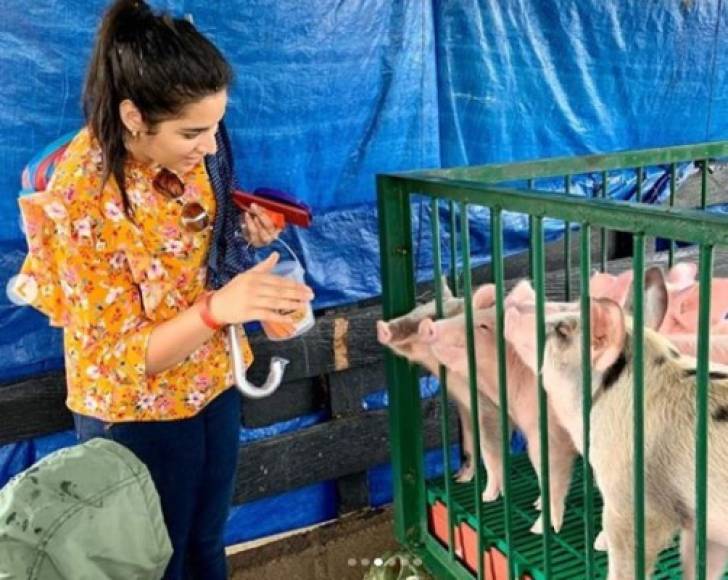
{"points": [[439, 519]]}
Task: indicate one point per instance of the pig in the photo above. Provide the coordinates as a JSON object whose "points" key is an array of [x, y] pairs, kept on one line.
{"points": [[682, 296], [400, 335], [675, 313], [447, 340], [605, 285], [670, 394]]}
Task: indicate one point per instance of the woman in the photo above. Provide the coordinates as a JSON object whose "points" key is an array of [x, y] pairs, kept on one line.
{"points": [[118, 247]]}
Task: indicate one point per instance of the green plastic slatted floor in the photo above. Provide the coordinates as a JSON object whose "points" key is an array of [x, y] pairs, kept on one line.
{"points": [[568, 557]]}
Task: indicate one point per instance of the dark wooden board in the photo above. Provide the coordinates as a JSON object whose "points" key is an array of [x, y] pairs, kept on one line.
{"points": [[326, 451], [32, 407]]}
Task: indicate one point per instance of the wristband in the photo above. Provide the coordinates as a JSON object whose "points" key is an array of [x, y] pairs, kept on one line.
{"points": [[206, 314]]}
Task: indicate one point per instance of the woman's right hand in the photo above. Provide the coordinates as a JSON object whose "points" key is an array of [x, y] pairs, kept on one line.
{"points": [[256, 294]]}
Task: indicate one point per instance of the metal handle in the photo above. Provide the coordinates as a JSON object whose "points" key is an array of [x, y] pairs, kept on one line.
{"points": [[275, 373]]}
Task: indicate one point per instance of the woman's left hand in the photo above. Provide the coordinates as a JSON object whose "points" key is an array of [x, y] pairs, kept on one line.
{"points": [[258, 229]]}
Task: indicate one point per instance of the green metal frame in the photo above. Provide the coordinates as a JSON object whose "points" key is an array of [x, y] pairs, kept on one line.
{"points": [[460, 188]]}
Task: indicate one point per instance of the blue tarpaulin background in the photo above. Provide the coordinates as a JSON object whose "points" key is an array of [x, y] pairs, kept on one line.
{"points": [[329, 93]]}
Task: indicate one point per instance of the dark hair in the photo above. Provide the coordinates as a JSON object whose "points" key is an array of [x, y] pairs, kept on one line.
{"points": [[161, 64]]}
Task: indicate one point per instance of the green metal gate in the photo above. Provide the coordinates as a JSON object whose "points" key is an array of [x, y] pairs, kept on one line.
{"points": [[503, 524]]}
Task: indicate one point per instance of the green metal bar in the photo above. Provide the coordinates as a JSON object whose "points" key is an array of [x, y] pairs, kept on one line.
{"points": [[585, 263], [496, 225], [638, 184], [530, 233], [685, 224], [472, 382], [557, 166], [703, 384], [454, 279], [445, 421], [539, 282], [673, 188], [567, 244], [638, 266], [405, 418], [704, 183], [603, 233], [436, 561]]}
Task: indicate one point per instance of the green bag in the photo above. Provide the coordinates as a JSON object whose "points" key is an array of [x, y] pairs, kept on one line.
{"points": [[88, 512]]}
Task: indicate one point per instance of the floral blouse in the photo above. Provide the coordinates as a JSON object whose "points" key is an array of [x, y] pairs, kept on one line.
{"points": [[108, 280]]}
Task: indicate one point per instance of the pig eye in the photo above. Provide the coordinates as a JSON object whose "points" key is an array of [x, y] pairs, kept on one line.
{"points": [[483, 327]]}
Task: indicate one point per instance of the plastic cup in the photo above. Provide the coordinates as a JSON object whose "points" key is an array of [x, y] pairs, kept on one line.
{"points": [[303, 319]]}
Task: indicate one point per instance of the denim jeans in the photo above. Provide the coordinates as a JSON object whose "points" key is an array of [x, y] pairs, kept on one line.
{"points": [[192, 463]]}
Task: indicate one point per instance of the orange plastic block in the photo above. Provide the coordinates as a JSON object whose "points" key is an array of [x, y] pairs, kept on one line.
{"points": [[470, 552], [438, 517]]}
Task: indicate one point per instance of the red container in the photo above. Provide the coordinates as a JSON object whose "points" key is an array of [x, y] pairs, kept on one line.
{"points": [[470, 549], [438, 518]]}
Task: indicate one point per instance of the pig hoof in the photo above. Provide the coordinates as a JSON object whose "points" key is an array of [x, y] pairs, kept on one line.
{"points": [[600, 544], [491, 492], [465, 473], [537, 528], [537, 503]]}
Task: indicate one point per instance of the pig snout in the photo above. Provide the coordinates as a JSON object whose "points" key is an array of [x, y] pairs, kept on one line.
{"points": [[427, 331], [384, 334]]}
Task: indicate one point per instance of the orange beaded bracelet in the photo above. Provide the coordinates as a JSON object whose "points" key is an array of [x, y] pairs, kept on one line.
{"points": [[206, 314]]}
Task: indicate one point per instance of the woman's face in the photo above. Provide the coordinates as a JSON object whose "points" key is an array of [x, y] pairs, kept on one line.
{"points": [[180, 144]]}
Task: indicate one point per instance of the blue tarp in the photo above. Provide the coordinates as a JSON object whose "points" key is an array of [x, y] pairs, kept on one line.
{"points": [[328, 94], [296, 508]]}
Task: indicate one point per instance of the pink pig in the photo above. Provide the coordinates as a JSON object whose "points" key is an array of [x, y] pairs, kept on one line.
{"points": [[682, 297], [401, 336], [675, 314], [447, 339]]}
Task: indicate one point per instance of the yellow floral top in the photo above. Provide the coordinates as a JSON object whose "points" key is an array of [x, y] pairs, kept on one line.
{"points": [[108, 281]]}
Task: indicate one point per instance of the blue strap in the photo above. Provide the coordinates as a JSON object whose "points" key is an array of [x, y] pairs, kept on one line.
{"points": [[229, 253]]}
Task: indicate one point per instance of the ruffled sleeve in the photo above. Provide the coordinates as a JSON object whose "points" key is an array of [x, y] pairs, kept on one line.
{"points": [[41, 282]]}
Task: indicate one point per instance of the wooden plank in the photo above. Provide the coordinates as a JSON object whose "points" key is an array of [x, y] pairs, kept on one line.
{"points": [[292, 399], [33, 407], [555, 282], [347, 388], [353, 492], [326, 451]]}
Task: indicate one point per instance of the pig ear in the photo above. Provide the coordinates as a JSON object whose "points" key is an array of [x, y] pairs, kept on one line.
{"points": [[615, 288], [511, 322], [484, 297], [446, 292], [681, 275], [522, 293], [621, 291], [599, 284], [689, 302], [384, 334], [655, 297], [608, 333]]}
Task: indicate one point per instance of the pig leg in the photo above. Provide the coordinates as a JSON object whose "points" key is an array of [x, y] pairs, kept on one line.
{"points": [[600, 544], [491, 443], [467, 469], [619, 527], [457, 391], [717, 557], [561, 459]]}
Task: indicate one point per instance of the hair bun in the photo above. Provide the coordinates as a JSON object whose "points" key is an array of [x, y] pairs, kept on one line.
{"points": [[126, 18]]}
